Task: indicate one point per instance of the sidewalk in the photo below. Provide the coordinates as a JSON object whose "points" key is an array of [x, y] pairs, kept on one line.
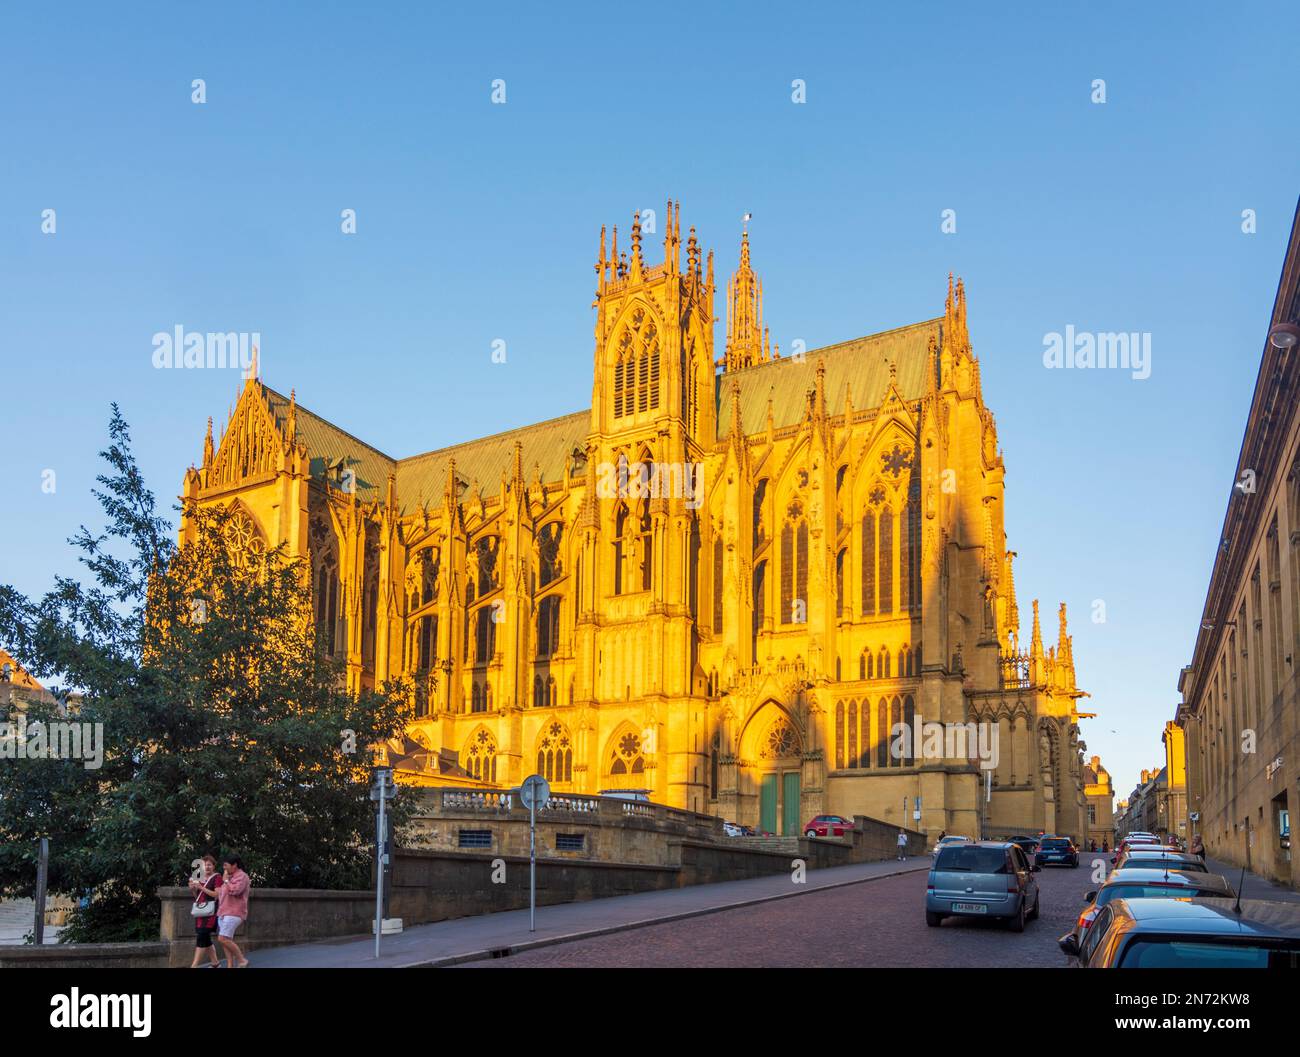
{"points": [[1255, 887], [476, 938]]}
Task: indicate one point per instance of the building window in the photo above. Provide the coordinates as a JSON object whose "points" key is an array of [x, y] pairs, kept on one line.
{"points": [[886, 563], [485, 635], [548, 553], [481, 756], [548, 625], [474, 838], [909, 558], [570, 841], [717, 585], [555, 754], [625, 757], [636, 369], [869, 563], [794, 569]]}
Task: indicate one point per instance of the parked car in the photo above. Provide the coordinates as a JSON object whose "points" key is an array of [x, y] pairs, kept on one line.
{"points": [[731, 829], [1141, 882], [1161, 860], [1133, 840], [1058, 850], [989, 879], [948, 842], [1029, 845], [640, 796], [1151, 933], [828, 826]]}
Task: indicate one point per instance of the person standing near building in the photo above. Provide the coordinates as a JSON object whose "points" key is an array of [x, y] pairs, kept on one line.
{"points": [[902, 845], [232, 909], [206, 890]]}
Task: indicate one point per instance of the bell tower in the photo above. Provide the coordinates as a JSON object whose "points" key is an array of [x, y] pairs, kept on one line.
{"points": [[653, 370]]}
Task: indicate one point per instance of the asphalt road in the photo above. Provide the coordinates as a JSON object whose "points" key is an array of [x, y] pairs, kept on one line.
{"points": [[873, 924]]}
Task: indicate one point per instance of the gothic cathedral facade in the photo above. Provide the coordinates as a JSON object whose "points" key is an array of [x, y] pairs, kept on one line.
{"points": [[727, 583]]}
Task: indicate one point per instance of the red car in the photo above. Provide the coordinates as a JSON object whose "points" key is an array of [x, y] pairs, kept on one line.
{"points": [[828, 826]]}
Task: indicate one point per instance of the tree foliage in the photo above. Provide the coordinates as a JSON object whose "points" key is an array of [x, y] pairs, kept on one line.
{"points": [[225, 726]]}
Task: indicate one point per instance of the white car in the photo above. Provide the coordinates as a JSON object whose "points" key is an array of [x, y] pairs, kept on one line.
{"points": [[946, 842]]}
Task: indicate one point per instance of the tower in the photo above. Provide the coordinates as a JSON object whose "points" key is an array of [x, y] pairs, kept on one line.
{"points": [[748, 341]]}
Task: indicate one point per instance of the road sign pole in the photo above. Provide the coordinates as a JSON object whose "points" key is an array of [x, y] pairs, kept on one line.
{"points": [[532, 864], [379, 873]]}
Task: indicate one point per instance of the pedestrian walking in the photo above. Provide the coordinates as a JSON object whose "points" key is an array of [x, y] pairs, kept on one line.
{"points": [[902, 845], [232, 908], [204, 890], [1198, 846]]}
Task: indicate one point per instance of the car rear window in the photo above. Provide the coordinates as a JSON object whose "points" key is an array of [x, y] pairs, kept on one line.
{"points": [[1056, 842], [1159, 953], [972, 860], [1155, 891], [1158, 862]]}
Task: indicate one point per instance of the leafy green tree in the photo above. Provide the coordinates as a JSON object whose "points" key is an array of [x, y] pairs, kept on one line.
{"points": [[225, 726]]}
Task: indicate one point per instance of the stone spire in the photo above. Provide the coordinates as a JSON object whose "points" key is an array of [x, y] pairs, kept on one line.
{"points": [[636, 265], [1013, 611], [748, 341], [451, 497], [1036, 651], [1065, 648], [737, 437], [208, 450], [517, 470]]}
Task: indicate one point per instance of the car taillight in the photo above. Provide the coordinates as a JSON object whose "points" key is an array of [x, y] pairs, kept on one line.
{"points": [[1013, 882], [1085, 919]]}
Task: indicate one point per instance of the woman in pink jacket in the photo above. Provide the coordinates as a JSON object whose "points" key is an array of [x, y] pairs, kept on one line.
{"points": [[232, 909]]}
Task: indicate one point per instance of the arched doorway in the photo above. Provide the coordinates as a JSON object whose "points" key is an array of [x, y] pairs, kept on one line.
{"points": [[774, 749]]}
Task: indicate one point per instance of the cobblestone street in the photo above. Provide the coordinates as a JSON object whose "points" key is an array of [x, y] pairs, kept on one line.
{"points": [[881, 924]]}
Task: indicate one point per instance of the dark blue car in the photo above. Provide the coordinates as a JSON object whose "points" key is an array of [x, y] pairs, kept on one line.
{"points": [[1056, 851]]}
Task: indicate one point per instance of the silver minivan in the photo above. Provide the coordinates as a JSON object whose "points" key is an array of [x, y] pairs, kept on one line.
{"points": [[987, 879]]}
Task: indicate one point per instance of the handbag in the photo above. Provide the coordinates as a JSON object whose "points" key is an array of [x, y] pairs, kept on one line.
{"points": [[204, 909]]}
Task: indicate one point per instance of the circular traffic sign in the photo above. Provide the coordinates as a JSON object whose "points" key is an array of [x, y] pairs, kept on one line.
{"points": [[535, 792]]}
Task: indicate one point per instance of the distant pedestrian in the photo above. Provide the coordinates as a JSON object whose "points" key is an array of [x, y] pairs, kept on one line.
{"points": [[232, 909], [902, 845], [205, 892], [1198, 846], [1105, 844]]}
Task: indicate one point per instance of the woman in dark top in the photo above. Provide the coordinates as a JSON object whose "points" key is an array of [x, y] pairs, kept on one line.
{"points": [[204, 927]]}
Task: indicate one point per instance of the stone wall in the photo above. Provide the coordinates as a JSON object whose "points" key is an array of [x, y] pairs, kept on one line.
{"points": [[276, 917], [153, 955], [661, 848]]}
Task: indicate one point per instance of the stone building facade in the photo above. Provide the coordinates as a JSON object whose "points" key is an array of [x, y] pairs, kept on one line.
{"points": [[726, 582], [1100, 797], [1240, 707]]}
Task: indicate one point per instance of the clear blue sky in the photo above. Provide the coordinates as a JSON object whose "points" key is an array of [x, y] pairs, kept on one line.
{"points": [[478, 222]]}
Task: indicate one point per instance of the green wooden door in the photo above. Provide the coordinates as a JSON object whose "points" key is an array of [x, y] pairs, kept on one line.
{"points": [[767, 804], [790, 804]]}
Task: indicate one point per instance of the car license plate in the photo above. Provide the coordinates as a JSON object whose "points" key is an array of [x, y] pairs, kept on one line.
{"points": [[970, 908]]}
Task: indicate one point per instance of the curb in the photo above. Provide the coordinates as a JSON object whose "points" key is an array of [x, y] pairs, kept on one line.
{"points": [[605, 930]]}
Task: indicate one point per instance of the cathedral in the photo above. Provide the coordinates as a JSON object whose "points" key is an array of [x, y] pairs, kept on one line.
{"points": [[728, 583]]}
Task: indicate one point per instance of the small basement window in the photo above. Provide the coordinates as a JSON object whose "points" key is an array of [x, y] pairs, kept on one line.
{"points": [[475, 838], [570, 841]]}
